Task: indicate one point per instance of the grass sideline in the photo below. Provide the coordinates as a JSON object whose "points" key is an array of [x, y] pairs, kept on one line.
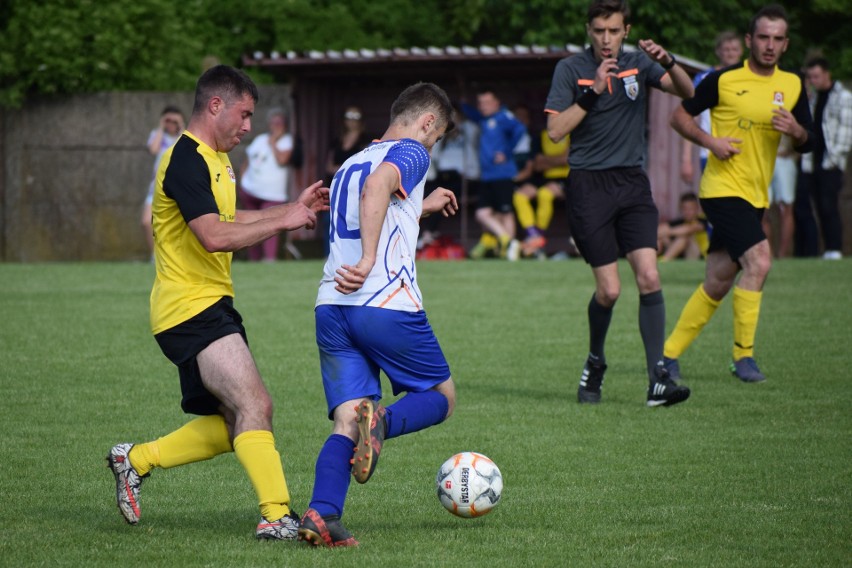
{"points": [[739, 475]]}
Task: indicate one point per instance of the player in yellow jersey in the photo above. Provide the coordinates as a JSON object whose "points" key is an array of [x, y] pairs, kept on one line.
{"points": [[196, 229], [752, 105], [550, 167]]}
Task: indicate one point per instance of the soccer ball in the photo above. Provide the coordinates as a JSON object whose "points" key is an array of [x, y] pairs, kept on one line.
{"points": [[469, 484]]}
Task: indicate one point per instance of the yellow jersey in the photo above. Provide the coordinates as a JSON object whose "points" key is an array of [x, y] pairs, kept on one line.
{"points": [[192, 180], [741, 104]]}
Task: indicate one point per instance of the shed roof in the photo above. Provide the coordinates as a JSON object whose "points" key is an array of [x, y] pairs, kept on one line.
{"points": [[318, 63]]}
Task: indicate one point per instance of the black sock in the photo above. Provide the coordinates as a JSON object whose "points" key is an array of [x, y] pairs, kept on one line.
{"points": [[652, 326], [599, 318]]}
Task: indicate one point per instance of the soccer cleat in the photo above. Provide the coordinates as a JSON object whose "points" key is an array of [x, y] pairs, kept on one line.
{"points": [[285, 528], [746, 370], [127, 482], [324, 531], [371, 434], [591, 382], [663, 391], [673, 367]]}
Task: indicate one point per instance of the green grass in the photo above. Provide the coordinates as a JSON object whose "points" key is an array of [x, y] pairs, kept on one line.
{"points": [[740, 475]]}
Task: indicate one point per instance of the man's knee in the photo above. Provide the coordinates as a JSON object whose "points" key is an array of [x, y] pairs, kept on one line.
{"points": [[448, 389]]}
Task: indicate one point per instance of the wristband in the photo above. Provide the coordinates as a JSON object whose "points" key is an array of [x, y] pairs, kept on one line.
{"points": [[587, 100], [671, 63]]}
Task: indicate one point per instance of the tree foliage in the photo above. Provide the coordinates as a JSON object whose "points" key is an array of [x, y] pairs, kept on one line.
{"points": [[72, 46]]}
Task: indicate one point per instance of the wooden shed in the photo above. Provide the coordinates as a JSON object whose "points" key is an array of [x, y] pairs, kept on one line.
{"points": [[324, 83]]}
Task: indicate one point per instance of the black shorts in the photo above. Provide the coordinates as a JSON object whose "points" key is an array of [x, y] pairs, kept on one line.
{"points": [[496, 194], [183, 342], [736, 225], [611, 212]]}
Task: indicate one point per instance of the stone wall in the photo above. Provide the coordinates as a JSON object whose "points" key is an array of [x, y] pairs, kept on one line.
{"points": [[75, 172]]}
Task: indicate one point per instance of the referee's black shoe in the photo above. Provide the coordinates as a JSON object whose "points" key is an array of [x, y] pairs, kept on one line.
{"points": [[591, 382], [663, 391]]}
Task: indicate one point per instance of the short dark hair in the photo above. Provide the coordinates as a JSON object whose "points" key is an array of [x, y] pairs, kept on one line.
{"points": [[606, 8], [420, 98], [820, 62], [689, 196], [222, 81], [771, 12]]}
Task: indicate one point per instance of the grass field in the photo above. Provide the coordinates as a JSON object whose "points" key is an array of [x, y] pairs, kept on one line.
{"points": [[739, 475]]}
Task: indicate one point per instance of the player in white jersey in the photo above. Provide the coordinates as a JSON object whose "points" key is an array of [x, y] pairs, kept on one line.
{"points": [[392, 283], [369, 312]]}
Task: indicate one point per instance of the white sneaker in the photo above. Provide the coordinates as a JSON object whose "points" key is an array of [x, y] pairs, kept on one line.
{"points": [[513, 252], [832, 255]]}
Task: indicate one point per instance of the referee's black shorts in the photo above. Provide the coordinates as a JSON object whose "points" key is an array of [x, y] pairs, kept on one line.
{"points": [[183, 342], [736, 225], [610, 212]]}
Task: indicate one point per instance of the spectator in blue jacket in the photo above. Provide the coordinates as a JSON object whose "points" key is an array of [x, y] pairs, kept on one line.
{"points": [[500, 132]]}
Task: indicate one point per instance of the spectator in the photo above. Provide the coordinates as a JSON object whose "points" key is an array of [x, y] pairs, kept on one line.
{"points": [[352, 139], [684, 237], [522, 153], [265, 176], [499, 134], [729, 51], [782, 194], [546, 184], [159, 140], [822, 172], [455, 161]]}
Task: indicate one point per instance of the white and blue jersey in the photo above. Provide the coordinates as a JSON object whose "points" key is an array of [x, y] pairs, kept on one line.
{"points": [[392, 284]]}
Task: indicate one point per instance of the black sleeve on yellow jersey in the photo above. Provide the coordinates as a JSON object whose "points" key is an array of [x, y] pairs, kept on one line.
{"points": [[187, 181], [802, 113], [706, 94]]}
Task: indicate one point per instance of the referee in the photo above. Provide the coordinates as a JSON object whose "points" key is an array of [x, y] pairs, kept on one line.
{"points": [[599, 98]]}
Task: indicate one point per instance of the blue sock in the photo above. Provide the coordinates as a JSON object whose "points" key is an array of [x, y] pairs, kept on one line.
{"points": [[416, 411], [332, 476]]}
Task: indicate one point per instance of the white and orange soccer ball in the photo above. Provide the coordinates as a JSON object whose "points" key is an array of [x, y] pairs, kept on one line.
{"points": [[469, 484]]}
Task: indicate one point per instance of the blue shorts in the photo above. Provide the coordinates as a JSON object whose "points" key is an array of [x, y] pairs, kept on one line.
{"points": [[356, 342]]}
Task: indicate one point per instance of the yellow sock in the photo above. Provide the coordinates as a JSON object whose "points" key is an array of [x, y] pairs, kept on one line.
{"points": [[201, 439], [544, 211], [524, 210], [746, 312], [695, 315], [256, 451], [488, 240]]}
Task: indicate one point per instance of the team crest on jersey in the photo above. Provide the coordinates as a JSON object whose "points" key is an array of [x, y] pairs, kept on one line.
{"points": [[631, 87], [231, 174], [778, 98]]}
